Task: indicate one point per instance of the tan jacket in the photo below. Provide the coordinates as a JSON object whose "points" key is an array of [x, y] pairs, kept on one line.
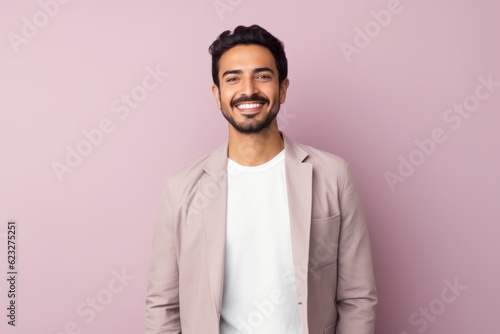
{"points": [[330, 243]]}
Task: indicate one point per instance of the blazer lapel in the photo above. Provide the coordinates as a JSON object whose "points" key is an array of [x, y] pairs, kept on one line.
{"points": [[299, 188], [214, 190]]}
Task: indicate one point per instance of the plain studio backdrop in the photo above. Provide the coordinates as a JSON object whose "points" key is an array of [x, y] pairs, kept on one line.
{"points": [[100, 101]]}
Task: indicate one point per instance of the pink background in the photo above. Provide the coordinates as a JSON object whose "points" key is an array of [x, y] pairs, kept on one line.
{"points": [[441, 224]]}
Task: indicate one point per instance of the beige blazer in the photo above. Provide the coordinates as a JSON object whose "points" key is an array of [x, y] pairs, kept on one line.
{"points": [[335, 283]]}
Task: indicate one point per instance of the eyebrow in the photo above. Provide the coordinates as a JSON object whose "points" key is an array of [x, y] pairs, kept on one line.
{"points": [[257, 70]]}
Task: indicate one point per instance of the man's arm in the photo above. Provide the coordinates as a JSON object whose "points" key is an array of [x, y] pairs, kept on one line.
{"points": [[356, 292], [162, 301]]}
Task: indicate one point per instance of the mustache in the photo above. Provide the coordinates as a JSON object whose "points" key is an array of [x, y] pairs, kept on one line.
{"points": [[253, 98]]}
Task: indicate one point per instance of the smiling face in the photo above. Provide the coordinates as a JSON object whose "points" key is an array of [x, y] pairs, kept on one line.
{"points": [[249, 95]]}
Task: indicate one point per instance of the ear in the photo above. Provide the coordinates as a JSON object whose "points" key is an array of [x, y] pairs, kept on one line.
{"points": [[283, 88], [216, 92]]}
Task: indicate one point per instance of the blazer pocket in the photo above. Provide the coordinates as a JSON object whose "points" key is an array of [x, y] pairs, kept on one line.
{"points": [[324, 241]]}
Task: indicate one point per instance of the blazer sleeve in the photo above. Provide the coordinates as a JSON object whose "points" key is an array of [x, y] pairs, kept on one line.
{"points": [[356, 291], [162, 301]]}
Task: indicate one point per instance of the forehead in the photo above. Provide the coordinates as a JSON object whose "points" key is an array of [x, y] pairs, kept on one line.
{"points": [[246, 57]]}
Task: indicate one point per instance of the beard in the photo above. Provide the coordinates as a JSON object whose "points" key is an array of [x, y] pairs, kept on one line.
{"points": [[250, 125]]}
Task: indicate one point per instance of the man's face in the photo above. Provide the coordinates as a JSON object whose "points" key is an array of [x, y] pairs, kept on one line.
{"points": [[250, 94]]}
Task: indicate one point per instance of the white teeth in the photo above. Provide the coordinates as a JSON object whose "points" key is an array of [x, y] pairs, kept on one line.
{"points": [[249, 105]]}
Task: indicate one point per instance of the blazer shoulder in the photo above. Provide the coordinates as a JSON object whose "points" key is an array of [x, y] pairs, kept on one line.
{"points": [[184, 180], [325, 159], [328, 168], [187, 175]]}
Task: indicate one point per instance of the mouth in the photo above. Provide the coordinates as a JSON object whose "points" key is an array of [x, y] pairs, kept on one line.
{"points": [[250, 107]]}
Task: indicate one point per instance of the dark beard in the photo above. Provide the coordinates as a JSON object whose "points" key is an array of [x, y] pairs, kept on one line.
{"points": [[252, 128]]}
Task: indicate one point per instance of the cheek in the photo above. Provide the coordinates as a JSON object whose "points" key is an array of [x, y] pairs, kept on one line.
{"points": [[226, 99]]}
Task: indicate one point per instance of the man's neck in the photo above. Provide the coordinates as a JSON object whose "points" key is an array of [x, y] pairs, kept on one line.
{"points": [[256, 148]]}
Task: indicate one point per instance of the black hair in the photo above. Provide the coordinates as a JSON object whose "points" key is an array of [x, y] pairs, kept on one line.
{"points": [[248, 35]]}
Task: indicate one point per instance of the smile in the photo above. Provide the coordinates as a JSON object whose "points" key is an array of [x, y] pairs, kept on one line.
{"points": [[245, 106]]}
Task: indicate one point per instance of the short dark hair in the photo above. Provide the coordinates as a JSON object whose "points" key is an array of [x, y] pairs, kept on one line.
{"points": [[248, 35]]}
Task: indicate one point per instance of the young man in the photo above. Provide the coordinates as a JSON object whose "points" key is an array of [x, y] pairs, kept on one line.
{"points": [[263, 235]]}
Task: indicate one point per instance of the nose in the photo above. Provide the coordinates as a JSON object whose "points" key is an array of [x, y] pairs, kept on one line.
{"points": [[249, 87]]}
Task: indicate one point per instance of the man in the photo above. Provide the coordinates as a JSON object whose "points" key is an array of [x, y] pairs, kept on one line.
{"points": [[263, 235]]}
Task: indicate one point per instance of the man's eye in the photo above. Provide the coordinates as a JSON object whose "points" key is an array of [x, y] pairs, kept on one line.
{"points": [[264, 76], [231, 79]]}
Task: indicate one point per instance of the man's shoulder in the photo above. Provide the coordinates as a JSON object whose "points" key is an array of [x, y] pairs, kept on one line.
{"points": [[190, 171], [322, 158], [187, 175], [328, 168]]}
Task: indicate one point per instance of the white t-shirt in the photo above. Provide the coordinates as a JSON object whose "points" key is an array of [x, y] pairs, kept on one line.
{"points": [[257, 299]]}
